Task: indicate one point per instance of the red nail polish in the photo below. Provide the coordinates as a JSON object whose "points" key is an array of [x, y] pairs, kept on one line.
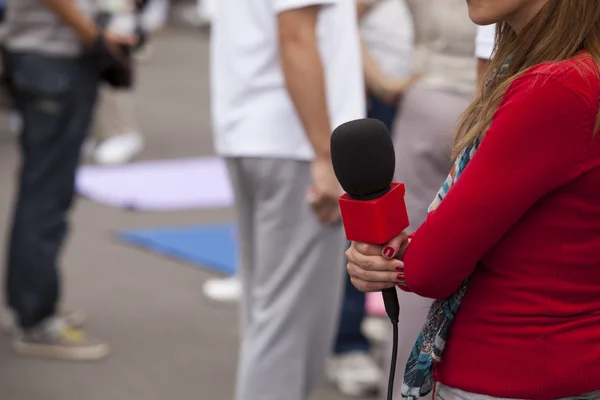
{"points": [[400, 277], [388, 252], [400, 268]]}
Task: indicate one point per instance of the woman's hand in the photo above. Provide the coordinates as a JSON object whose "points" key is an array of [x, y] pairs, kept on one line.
{"points": [[389, 90], [373, 268]]}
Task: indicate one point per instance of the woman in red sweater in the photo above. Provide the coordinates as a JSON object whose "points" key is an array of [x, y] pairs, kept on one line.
{"points": [[511, 246]]}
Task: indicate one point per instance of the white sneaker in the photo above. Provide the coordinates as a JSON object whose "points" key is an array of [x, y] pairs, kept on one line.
{"points": [[223, 290], [119, 149], [355, 374], [376, 329]]}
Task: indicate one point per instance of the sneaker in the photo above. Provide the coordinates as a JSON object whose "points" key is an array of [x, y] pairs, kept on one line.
{"points": [[355, 374], [119, 149], [223, 290], [73, 318], [376, 329], [54, 338]]}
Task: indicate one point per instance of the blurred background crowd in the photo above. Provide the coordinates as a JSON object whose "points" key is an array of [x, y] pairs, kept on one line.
{"points": [[165, 160]]}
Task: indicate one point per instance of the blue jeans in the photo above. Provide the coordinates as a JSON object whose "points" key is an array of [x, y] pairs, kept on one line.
{"points": [[56, 97], [384, 112], [349, 337]]}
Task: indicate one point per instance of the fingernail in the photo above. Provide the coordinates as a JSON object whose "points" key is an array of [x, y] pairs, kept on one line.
{"points": [[388, 252], [400, 277], [400, 268]]}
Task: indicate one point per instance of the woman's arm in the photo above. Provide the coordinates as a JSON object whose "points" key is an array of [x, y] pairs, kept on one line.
{"points": [[538, 139]]}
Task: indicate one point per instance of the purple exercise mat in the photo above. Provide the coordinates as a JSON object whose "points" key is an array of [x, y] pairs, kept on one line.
{"points": [[160, 185]]}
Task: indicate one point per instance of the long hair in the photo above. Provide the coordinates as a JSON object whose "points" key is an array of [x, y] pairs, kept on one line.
{"points": [[559, 31]]}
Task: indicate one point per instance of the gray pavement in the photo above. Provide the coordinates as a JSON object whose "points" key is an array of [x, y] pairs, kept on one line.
{"points": [[168, 342]]}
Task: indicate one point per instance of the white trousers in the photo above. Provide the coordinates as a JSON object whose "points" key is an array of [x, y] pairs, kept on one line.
{"points": [[291, 268]]}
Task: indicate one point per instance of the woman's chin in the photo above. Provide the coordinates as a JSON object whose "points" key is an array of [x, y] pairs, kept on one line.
{"points": [[480, 18], [482, 21]]}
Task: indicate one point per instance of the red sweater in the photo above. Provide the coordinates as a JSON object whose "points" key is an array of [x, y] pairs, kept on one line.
{"points": [[528, 208]]}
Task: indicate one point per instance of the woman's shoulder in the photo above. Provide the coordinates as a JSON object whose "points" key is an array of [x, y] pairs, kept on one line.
{"points": [[579, 73]]}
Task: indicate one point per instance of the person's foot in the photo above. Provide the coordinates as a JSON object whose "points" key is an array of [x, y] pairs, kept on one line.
{"points": [[74, 318], [376, 329], [223, 290], [54, 338], [119, 149], [355, 374]]}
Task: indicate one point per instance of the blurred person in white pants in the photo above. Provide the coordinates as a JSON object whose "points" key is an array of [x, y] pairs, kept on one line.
{"points": [[387, 36], [284, 73]]}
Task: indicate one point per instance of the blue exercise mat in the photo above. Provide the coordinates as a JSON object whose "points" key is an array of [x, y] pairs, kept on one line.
{"points": [[204, 246]]}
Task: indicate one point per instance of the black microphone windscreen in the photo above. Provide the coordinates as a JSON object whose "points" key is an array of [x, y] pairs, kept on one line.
{"points": [[363, 158]]}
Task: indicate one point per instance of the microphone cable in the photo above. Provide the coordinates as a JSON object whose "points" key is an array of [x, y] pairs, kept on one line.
{"points": [[392, 309]]}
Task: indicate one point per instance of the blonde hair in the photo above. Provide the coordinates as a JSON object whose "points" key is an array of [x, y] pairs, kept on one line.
{"points": [[559, 31]]}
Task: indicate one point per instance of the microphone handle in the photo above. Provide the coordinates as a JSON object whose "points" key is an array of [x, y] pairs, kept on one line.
{"points": [[390, 301], [392, 308]]}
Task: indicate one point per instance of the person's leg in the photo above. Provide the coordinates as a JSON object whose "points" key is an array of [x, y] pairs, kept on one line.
{"points": [[384, 112], [352, 367], [294, 290], [229, 289], [423, 140], [115, 127], [56, 97], [243, 181], [349, 337]]}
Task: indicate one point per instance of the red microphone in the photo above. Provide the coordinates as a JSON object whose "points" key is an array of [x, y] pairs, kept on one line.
{"points": [[373, 208]]}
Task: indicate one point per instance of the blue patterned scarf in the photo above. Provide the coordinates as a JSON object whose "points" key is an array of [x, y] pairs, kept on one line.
{"points": [[418, 375]]}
